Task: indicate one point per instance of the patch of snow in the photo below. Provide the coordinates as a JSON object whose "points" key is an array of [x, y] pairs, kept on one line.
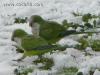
{"points": [[68, 42], [88, 50], [24, 26], [91, 64], [43, 72], [71, 28], [97, 72], [74, 52], [70, 57], [78, 29]]}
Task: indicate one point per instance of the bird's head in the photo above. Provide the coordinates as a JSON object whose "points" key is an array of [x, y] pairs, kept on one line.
{"points": [[35, 19]]}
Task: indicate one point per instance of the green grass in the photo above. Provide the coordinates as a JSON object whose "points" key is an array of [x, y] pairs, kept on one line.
{"points": [[86, 17], [48, 63], [84, 44], [96, 45], [23, 71], [20, 20]]}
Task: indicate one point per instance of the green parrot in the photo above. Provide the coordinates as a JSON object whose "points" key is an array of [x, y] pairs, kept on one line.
{"points": [[49, 30]]}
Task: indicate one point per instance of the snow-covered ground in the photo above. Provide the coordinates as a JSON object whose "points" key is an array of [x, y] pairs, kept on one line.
{"points": [[57, 10], [7, 52]]}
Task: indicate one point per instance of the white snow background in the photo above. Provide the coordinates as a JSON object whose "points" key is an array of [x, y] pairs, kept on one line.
{"points": [[56, 10]]}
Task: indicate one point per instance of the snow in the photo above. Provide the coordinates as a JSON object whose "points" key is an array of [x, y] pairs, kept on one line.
{"points": [[90, 64], [97, 72], [43, 72], [52, 9], [67, 42], [78, 29], [56, 10], [74, 52], [68, 58], [7, 53], [6, 69], [89, 50], [70, 28]]}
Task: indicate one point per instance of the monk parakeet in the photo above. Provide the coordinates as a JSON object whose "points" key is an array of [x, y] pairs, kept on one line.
{"points": [[49, 30]]}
